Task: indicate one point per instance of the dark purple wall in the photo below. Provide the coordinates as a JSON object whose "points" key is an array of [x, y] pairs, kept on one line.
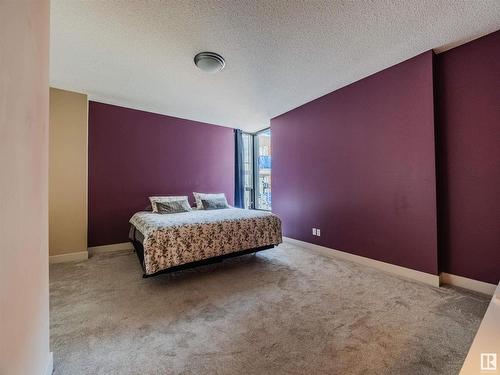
{"points": [[135, 154], [359, 164], [468, 107]]}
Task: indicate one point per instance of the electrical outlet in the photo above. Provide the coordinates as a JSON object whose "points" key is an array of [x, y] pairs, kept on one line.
{"points": [[318, 232], [314, 231]]}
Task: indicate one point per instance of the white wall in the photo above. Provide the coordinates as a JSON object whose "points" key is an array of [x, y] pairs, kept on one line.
{"points": [[24, 106]]}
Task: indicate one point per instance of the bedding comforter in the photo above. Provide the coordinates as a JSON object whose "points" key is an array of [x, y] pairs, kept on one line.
{"points": [[174, 239]]}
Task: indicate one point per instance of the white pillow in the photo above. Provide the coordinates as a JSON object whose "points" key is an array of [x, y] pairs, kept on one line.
{"points": [[199, 196], [161, 199]]}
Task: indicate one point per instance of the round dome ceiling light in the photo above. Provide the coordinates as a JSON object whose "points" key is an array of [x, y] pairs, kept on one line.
{"points": [[209, 62]]}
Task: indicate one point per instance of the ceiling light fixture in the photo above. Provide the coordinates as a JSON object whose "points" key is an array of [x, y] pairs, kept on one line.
{"points": [[209, 62]]}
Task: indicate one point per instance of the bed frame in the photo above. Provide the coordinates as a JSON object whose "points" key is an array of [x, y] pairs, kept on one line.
{"points": [[139, 249]]}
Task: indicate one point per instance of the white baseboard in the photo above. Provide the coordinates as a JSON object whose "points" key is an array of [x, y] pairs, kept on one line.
{"points": [[50, 365], [84, 255], [466, 283], [423, 277], [70, 257], [124, 246]]}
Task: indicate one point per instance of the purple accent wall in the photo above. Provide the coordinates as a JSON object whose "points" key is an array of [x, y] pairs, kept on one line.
{"points": [[359, 164], [468, 106], [135, 154]]}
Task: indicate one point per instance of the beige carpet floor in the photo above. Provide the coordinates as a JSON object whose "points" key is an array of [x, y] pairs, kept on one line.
{"points": [[282, 311]]}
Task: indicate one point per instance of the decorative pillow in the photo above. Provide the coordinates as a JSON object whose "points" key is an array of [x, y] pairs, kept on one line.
{"points": [[214, 203], [199, 196], [197, 200], [163, 199], [173, 207]]}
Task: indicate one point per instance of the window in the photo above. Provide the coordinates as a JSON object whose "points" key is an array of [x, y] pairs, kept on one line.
{"points": [[257, 169], [262, 147]]}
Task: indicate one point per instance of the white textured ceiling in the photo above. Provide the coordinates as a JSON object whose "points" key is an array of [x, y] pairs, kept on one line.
{"points": [[279, 53]]}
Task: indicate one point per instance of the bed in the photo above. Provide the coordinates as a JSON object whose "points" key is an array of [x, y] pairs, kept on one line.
{"points": [[171, 242]]}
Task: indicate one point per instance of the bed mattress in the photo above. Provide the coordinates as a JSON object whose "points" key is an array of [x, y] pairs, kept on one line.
{"points": [[174, 239]]}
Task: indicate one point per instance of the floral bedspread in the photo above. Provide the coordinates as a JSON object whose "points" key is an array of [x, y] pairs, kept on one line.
{"points": [[175, 239]]}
